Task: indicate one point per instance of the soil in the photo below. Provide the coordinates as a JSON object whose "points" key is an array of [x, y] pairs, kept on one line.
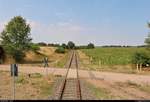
{"points": [[120, 92]]}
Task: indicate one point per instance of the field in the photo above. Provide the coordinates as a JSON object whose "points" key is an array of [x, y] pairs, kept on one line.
{"points": [[36, 86], [110, 59]]}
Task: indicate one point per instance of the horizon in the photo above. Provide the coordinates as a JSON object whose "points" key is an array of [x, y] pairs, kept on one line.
{"points": [[102, 22], [92, 43]]}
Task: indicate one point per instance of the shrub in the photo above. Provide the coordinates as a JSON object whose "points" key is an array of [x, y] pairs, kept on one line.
{"points": [[35, 47], [141, 58], [60, 50]]}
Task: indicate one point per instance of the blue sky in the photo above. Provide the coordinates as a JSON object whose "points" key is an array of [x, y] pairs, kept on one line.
{"points": [[103, 22]]}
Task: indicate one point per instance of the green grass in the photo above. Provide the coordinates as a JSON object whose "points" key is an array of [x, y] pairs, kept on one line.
{"points": [[110, 59], [36, 75], [112, 56], [21, 80]]}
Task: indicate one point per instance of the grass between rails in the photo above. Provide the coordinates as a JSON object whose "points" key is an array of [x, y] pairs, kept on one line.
{"points": [[35, 87]]}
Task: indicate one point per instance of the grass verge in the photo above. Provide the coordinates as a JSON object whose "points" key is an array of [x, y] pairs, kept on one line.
{"points": [[100, 93], [35, 87]]}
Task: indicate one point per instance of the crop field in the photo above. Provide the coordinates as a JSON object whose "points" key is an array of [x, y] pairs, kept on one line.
{"points": [[115, 59], [112, 56]]}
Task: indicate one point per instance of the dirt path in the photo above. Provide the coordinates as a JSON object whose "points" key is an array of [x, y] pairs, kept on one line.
{"points": [[115, 77], [109, 81], [107, 76]]}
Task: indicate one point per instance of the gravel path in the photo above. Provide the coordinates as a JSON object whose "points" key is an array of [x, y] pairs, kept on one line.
{"points": [[108, 76]]}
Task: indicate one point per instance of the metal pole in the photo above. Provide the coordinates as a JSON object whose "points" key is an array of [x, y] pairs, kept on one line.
{"points": [[13, 83], [46, 71]]}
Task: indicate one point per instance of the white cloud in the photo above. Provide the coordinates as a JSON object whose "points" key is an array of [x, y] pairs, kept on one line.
{"points": [[62, 32], [58, 32]]}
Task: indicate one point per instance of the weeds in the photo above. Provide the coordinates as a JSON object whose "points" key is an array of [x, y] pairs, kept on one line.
{"points": [[21, 80]]}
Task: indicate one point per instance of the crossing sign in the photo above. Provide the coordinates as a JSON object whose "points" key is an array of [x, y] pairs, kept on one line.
{"points": [[46, 62]]}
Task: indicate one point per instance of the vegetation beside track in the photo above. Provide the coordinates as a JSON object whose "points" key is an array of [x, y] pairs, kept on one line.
{"points": [[100, 93], [112, 56], [36, 58], [36, 86], [109, 59]]}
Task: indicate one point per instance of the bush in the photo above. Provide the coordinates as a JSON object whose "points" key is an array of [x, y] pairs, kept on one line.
{"points": [[35, 47], [141, 58], [60, 50]]}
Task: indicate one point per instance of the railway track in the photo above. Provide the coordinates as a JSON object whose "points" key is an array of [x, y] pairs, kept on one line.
{"points": [[69, 88]]}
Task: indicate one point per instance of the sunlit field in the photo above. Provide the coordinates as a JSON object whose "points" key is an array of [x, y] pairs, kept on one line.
{"points": [[109, 59], [112, 56]]}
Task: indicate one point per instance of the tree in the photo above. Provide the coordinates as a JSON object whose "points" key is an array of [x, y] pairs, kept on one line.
{"points": [[147, 40], [71, 45], [2, 55], [60, 50], [64, 45], [90, 46], [16, 38]]}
